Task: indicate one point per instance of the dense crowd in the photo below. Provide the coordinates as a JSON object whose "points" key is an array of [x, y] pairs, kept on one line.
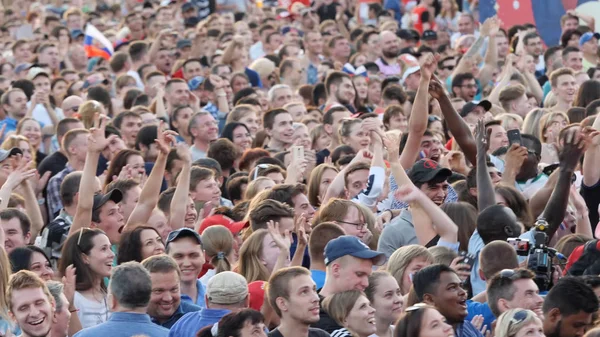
{"points": [[253, 168]]}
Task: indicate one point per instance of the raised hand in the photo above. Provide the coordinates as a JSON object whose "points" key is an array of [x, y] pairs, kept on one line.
{"points": [[282, 241], [573, 148], [69, 281], [164, 139], [393, 147], [408, 193], [20, 173], [40, 182], [300, 229], [184, 153], [436, 89], [217, 82], [516, 156], [482, 138], [429, 66], [97, 142]]}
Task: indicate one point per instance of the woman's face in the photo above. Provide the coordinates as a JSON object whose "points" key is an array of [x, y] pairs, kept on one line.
{"points": [[251, 121], [361, 318], [7, 70], [326, 180], [533, 329], [414, 266], [63, 37], [238, 83], [553, 129], [270, 252], [32, 131], [190, 214], [388, 300], [373, 44], [301, 137], [374, 94], [316, 114], [159, 221], [398, 122], [41, 266], [242, 138], [60, 89], [434, 325], [24, 146], [437, 127], [358, 138], [322, 142], [362, 88], [137, 164], [360, 60], [151, 243], [100, 259]]}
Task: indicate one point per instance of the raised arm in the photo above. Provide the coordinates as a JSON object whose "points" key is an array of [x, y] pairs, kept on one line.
{"points": [[507, 72], [491, 54], [33, 208], [574, 146], [513, 161], [96, 143], [590, 171], [458, 127], [336, 188], [151, 190], [182, 192], [417, 123], [19, 174], [485, 189]]}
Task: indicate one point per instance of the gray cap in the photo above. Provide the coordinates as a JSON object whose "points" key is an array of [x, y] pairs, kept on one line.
{"points": [[9, 153], [227, 288]]}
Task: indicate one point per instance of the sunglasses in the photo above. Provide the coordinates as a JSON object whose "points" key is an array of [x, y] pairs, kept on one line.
{"points": [[80, 235], [415, 307], [260, 166], [519, 317]]}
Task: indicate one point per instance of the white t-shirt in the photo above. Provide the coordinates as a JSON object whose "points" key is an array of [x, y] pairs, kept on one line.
{"points": [[91, 313], [41, 114]]}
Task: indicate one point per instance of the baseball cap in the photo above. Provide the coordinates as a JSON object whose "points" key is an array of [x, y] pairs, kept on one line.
{"points": [[227, 287], [409, 72], [35, 72], [219, 219], [184, 43], [9, 153], [408, 34], [188, 6], [425, 170], [287, 29], [429, 35], [76, 33], [183, 232], [114, 195], [467, 108], [351, 245], [195, 82], [587, 37], [191, 22], [21, 67], [256, 290]]}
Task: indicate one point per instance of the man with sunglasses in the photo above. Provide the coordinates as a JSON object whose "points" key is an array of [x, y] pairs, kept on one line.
{"points": [[445, 68], [569, 308]]}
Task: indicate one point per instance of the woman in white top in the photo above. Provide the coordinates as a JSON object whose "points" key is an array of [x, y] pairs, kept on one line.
{"points": [[217, 242], [385, 296], [89, 251]]}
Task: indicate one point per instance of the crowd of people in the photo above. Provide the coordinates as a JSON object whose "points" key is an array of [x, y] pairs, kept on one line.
{"points": [[244, 168]]}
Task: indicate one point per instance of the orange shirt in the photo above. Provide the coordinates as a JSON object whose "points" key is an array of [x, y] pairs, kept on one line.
{"points": [[417, 12]]}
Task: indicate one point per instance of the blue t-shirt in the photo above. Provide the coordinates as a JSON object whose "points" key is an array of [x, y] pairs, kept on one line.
{"points": [[483, 309], [200, 299]]}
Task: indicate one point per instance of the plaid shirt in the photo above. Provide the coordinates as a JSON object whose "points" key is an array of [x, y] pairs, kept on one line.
{"points": [[53, 191]]}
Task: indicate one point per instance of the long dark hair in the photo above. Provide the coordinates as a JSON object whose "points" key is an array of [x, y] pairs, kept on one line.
{"points": [[230, 127], [79, 243], [464, 216], [118, 162], [130, 245], [517, 203], [20, 258], [409, 325]]}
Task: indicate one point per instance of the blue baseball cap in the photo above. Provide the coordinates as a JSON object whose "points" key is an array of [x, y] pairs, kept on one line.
{"points": [[195, 82], [351, 245], [587, 37]]}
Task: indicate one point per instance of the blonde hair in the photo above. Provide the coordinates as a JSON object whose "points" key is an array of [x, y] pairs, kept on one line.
{"points": [[531, 124], [217, 242], [239, 111], [87, 111], [506, 326], [315, 134], [25, 279], [250, 265], [339, 305], [263, 66], [13, 141], [346, 126], [507, 118], [5, 270], [253, 187], [402, 257], [546, 120]]}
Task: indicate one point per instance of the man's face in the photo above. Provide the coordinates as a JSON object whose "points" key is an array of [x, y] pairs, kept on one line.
{"points": [[566, 87], [164, 61], [50, 57], [178, 94], [33, 311], [135, 23], [111, 221], [502, 45], [574, 60], [590, 47], [281, 97], [447, 68], [303, 302], [298, 112], [357, 181], [467, 90], [23, 52], [389, 45], [522, 106], [465, 25], [450, 298], [436, 192], [574, 325], [275, 41], [341, 49], [412, 81], [165, 297], [154, 84], [13, 234], [130, 199], [282, 130], [344, 93], [303, 206], [534, 46], [189, 256], [207, 190], [432, 147], [352, 273], [527, 296], [42, 84], [78, 147], [60, 327], [207, 128], [336, 120], [74, 22], [17, 105], [570, 23], [130, 126], [192, 70], [498, 137]]}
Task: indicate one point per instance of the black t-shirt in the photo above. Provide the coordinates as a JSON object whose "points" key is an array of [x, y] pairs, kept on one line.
{"points": [[591, 195], [312, 332], [326, 322], [54, 163], [327, 12]]}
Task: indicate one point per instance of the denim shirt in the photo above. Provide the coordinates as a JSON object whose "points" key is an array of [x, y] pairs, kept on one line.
{"points": [[190, 324]]}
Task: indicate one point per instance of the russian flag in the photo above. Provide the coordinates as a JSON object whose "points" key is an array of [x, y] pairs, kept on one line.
{"points": [[92, 34]]}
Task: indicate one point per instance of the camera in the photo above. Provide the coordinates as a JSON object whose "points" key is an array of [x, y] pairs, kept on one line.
{"points": [[539, 255]]}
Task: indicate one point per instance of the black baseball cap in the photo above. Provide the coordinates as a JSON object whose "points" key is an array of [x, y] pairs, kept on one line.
{"points": [[183, 232], [114, 195], [429, 35], [408, 34], [485, 104], [426, 170]]}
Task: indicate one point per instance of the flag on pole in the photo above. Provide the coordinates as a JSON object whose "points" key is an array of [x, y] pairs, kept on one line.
{"points": [[93, 37]]}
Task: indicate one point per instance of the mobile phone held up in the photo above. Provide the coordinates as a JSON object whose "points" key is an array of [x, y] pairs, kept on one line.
{"points": [[514, 137]]}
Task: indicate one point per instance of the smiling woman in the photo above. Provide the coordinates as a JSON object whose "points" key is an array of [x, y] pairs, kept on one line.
{"points": [[352, 310]]}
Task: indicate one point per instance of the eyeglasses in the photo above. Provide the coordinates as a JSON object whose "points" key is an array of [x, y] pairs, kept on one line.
{"points": [[260, 166], [359, 226], [519, 317], [415, 307]]}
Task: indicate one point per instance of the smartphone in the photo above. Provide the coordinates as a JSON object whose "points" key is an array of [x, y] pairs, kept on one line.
{"points": [[514, 136], [298, 153], [467, 258]]}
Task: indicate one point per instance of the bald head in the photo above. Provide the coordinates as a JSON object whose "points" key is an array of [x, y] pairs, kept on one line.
{"points": [[69, 104], [386, 35]]}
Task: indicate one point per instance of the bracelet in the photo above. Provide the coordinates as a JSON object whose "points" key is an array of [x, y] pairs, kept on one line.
{"points": [[391, 213]]}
